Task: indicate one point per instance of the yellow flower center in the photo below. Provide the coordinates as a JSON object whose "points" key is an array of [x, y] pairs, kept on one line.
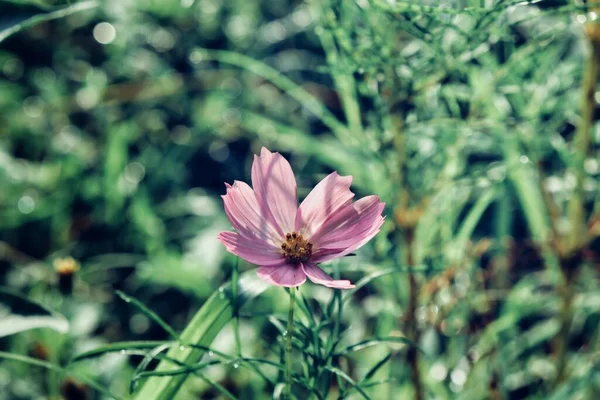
{"points": [[296, 249]]}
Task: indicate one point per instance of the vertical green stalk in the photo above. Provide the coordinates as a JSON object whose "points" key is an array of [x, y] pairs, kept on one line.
{"points": [[405, 239], [236, 320], [571, 259], [288, 345], [413, 330], [582, 140]]}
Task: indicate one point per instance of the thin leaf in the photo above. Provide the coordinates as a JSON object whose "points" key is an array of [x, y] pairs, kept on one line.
{"points": [[117, 347], [376, 367], [151, 355], [474, 216], [19, 313], [348, 294], [347, 378], [284, 83], [60, 370], [43, 16], [149, 313], [216, 312], [373, 342]]}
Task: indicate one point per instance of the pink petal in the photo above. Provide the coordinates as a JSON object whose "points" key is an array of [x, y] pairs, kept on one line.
{"points": [[348, 229], [286, 275], [241, 206], [332, 193], [275, 187], [317, 275], [253, 250]]}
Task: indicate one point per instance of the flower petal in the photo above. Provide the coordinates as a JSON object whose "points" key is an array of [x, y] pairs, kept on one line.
{"points": [[332, 193], [286, 275], [348, 229], [241, 206], [275, 187], [317, 275], [253, 250]]}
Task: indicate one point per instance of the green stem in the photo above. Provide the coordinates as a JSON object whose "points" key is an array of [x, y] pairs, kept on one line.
{"points": [[578, 238], [236, 320], [288, 345], [582, 142]]}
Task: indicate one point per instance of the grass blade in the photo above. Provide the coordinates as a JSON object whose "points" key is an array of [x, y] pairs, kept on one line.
{"points": [[376, 367], [119, 346], [373, 342], [25, 314], [149, 313], [46, 16], [216, 312], [58, 369], [338, 372]]}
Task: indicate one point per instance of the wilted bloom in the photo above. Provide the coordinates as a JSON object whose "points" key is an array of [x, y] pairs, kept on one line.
{"points": [[66, 268], [287, 241]]}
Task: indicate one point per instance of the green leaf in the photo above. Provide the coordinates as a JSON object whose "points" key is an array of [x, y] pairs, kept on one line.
{"points": [[149, 313], [58, 369], [347, 378], [116, 347], [151, 355], [377, 366], [282, 82], [216, 312], [19, 313], [16, 18], [348, 294], [373, 342], [531, 199], [457, 249]]}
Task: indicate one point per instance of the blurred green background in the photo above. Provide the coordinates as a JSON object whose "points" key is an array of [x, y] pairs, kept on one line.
{"points": [[121, 120]]}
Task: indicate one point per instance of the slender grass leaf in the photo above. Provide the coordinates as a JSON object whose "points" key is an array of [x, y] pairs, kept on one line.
{"points": [[284, 83], [32, 15], [117, 347], [341, 374], [149, 313], [374, 342], [53, 367], [151, 355], [457, 249], [216, 312], [19, 313], [377, 366]]}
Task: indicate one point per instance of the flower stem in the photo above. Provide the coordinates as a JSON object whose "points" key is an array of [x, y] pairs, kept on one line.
{"points": [[288, 345], [235, 276], [411, 318], [579, 237]]}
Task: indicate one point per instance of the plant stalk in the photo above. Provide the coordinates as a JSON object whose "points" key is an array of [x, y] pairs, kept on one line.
{"points": [[583, 139], [411, 320], [571, 257], [235, 276], [288, 345]]}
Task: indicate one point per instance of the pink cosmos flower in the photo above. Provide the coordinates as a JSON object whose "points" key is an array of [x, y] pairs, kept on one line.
{"points": [[287, 241]]}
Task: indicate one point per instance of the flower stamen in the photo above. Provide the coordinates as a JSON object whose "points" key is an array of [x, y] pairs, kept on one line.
{"points": [[296, 249]]}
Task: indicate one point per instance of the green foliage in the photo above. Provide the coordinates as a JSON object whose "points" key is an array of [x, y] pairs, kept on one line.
{"points": [[20, 314], [121, 121]]}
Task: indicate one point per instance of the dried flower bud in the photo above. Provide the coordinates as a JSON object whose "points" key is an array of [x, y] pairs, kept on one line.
{"points": [[66, 268]]}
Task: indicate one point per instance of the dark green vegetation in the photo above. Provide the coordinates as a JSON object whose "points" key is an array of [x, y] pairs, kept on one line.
{"points": [[475, 121]]}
